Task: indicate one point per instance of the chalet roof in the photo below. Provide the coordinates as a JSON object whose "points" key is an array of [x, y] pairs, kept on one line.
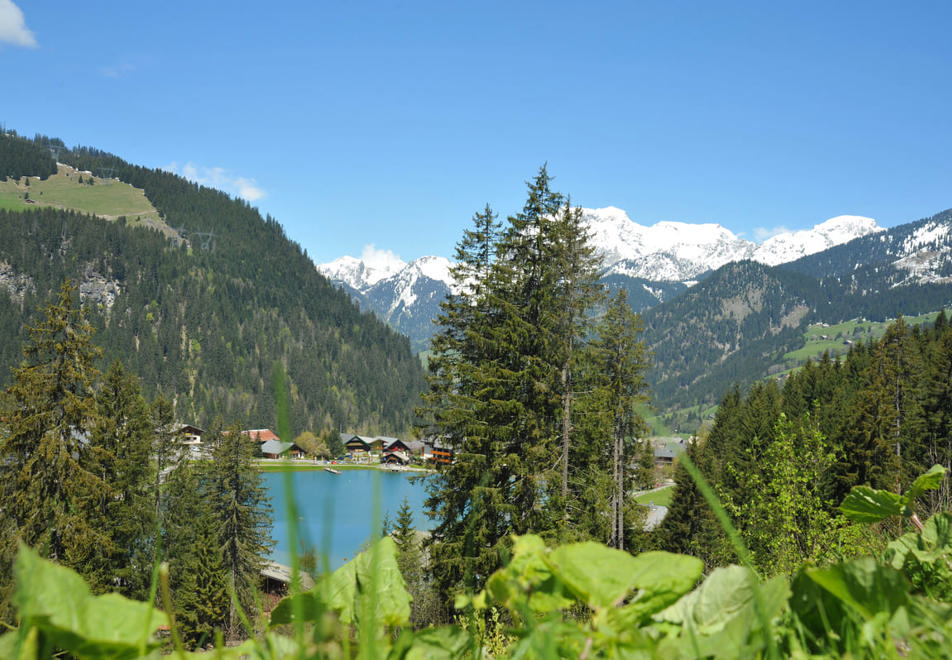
{"points": [[275, 447], [261, 435], [669, 449], [415, 445], [282, 573], [190, 430], [398, 456]]}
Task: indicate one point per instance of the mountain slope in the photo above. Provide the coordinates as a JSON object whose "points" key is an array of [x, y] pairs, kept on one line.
{"points": [[205, 317], [737, 324], [704, 338]]}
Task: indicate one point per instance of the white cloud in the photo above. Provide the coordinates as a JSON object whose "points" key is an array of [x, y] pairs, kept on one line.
{"points": [[763, 233], [13, 29], [375, 258], [220, 178]]}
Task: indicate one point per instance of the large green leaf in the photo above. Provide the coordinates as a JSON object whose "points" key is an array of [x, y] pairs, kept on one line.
{"points": [[868, 505], [931, 480], [722, 618], [661, 578], [370, 585], [57, 601], [599, 575], [849, 604], [309, 605], [864, 585], [926, 558], [382, 585], [724, 594], [340, 590], [527, 582], [443, 643]]}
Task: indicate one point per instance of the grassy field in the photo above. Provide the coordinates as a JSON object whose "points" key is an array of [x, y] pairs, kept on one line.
{"points": [[659, 497], [105, 198], [837, 338]]}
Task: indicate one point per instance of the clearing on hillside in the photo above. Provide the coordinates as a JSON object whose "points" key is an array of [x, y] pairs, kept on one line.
{"points": [[81, 191]]}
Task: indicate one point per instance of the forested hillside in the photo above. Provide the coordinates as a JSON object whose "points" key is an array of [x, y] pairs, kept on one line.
{"points": [[728, 328], [204, 317], [738, 324], [782, 458]]}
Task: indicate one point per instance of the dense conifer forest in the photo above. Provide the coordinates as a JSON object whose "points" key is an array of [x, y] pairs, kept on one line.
{"points": [[203, 312]]}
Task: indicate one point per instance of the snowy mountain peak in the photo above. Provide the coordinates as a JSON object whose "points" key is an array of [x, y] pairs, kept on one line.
{"points": [[790, 246], [362, 273], [664, 251], [435, 268]]}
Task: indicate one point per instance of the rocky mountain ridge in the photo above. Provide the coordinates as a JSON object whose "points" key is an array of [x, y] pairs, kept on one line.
{"points": [[651, 262]]}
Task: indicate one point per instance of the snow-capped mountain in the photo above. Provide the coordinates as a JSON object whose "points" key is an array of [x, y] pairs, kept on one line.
{"points": [[666, 251], [659, 259], [917, 253], [791, 246], [361, 273], [407, 297], [679, 251]]}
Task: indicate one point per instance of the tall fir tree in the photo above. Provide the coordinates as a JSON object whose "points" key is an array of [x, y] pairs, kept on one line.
{"points": [[46, 483], [500, 386], [119, 448], [241, 513], [410, 560], [578, 292], [618, 364]]}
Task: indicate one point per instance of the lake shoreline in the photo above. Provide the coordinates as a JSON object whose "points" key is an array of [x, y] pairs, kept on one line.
{"points": [[296, 465]]}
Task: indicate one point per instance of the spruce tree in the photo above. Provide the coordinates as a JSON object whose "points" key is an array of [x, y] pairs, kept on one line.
{"points": [[410, 562], [577, 293], [166, 448], [119, 453], [618, 364], [203, 605], [241, 514], [501, 385], [45, 477]]}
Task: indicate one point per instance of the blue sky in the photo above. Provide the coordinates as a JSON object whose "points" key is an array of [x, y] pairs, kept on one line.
{"points": [[390, 123]]}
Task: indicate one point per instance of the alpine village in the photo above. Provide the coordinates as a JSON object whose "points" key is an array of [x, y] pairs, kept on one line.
{"points": [[747, 458]]}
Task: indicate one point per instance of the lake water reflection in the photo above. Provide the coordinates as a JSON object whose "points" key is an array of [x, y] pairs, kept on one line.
{"points": [[336, 512]]}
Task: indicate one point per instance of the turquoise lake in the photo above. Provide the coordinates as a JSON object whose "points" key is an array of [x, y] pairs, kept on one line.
{"points": [[336, 512]]}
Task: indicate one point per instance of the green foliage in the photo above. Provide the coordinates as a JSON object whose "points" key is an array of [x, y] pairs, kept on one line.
{"points": [[20, 157], [120, 445], [782, 459], [55, 602], [869, 505], [241, 515], [539, 415], [783, 515], [575, 600], [49, 483]]}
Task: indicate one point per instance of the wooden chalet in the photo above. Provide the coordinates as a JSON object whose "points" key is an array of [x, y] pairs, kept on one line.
{"points": [[261, 435], [437, 452], [666, 451], [395, 458], [356, 445], [396, 445], [191, 438], [278, 449]]}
